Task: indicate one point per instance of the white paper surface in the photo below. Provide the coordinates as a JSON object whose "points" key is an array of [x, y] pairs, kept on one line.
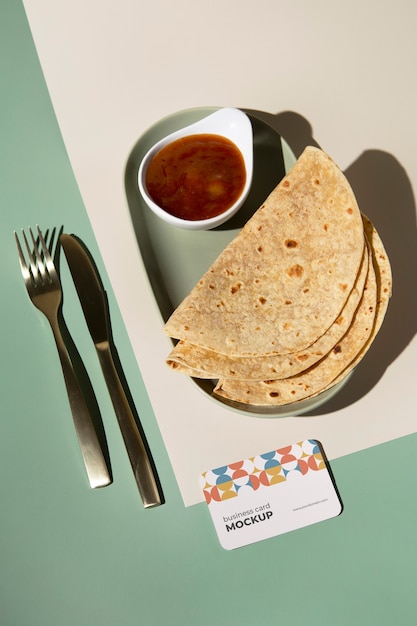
{"points": [[340, 74]]}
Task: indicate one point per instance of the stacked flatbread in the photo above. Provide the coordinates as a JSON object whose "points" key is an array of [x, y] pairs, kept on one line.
{"points": [[294, 302]]}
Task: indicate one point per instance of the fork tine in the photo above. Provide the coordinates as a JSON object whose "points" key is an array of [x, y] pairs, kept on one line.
{"points": [[51, 237], [34, 270], [48, 238], [23, 265], [46, 254], [38, 264]]}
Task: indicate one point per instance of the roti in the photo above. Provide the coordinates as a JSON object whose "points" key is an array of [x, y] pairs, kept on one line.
{"points": [[286, 277], [319, 376], [203, 363], [344, 357], [383, 273], [294, 302]]}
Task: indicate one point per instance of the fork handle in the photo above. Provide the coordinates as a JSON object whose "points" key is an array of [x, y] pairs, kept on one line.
{"points": [[95, 463], [134, 443]]}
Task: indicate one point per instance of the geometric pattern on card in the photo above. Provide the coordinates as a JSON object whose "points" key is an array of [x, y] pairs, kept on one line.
{"points": [[287, 463]]}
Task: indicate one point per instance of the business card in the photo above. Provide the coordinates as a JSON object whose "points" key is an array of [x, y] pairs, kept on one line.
{"points": [[270, 494]]}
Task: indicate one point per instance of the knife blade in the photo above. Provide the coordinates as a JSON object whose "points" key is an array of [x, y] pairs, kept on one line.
{"points": [[94, 304]]}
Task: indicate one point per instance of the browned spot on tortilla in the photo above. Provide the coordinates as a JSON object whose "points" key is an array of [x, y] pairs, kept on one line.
{"points": [[291, 243], [295, 270]]}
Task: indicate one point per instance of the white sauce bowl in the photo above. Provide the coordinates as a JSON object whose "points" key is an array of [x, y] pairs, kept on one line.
{"points": [[228, 122]]}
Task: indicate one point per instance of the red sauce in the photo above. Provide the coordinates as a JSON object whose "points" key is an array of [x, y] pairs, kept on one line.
{"points": [[196, 177]]}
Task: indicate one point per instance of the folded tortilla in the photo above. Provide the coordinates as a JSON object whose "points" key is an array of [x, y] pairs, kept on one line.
{"points": [[345, 355], [286, 277], [203, 363]]}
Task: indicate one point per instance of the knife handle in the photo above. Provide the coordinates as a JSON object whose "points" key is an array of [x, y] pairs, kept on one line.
{"points": [[135, 446]]}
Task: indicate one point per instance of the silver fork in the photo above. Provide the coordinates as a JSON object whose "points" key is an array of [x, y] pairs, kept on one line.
{"points": [[44, 289]]}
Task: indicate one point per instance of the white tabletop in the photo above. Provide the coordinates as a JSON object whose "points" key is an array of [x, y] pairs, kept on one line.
{"points": [[339, 74]]}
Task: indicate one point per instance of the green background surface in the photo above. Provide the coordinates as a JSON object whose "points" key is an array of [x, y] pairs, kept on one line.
{"points": [[71, 556]]}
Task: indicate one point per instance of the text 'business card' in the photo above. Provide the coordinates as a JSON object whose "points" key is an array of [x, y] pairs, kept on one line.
{"points": [[270, 494]]}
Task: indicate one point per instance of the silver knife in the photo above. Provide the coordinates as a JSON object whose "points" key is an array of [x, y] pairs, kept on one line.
{"points": [[94, 304]]}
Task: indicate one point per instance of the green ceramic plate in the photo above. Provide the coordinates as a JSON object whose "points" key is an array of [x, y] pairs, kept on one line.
{"points": [[175, 259]]}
